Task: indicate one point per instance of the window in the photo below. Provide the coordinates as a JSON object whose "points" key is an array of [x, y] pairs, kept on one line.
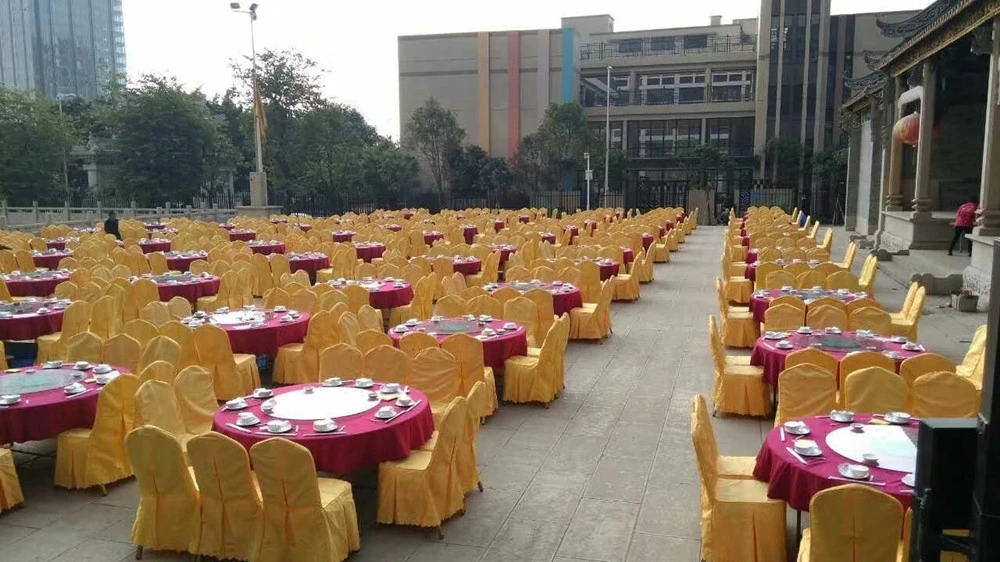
{"points": [[630, 46], [727, 93], [619, 82], [651, 80], [687, 79], [699, 79], [695, 41], [716, 78], [660, 44], [735, 77], [692, 95]]}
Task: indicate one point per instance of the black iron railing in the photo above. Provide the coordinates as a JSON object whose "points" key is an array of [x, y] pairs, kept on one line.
{"points": [[596, 98], [667, 46]]}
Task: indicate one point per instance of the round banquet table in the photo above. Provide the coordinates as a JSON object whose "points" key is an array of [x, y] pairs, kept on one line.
{"points": [[155, 227], [789, 480], [761, 300], [50, 258], [628, 256], [267, 248], [27, 324], [524, 218], [264, 339], [499, 225], [56, 244], [467, 266], [751, 270], [45, 410], [181, 261], [647, 240], [608, 268], [393, 227], [548, 237], [37, 284], [191, 287], [343, 235], [496, 349], [227, 226], [772, 359], [431, 236], [751, 256], [745, 242], [365, 441], [563, 300], [368, 251], [150, 246], [310, 262], [470, 233], [244, 235], [386, 295], [505, 251]]}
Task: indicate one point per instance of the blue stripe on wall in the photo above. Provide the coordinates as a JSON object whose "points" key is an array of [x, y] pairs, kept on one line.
{"points": [[569, 77]]}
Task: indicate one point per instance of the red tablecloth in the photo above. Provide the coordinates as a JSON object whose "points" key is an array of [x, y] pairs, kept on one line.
{"points": [[789, 480], [751, 257], [574, 231], [390, 296], [50, 261], [227, 226], [311, 263], [760, 304], [407, 215], [628, 256], [343, 235], [304, 227], [549, 237], [746, 241], [41, 286], [430, 237], [471, 267], [366, 442], [608, 269], [470, 233], [29, 326], [499, 225], [155, 227], [524, 218], [191, 288], [268, 249], [393, 227], [244, 235], [772, 359], [562, 301], [496, 350], [668, 226], [647, 240], [56, 244], [368, 251], [751, 272], [505, 251], [181, 261], [266, 339], [44, 415], [155, 246]]}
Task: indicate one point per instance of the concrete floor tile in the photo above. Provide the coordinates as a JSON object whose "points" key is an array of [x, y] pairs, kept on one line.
{"points": [[600, 530], [672, 510], [95, 550], [40, 546], [551, 496], [435, 552], [593, 422], [619, 479], [655, 548], [575, 454], [485, 514], [637, 440], [11, 533], [529, 541], [489, 441]]}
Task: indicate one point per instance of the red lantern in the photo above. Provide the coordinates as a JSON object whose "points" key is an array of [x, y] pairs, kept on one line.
{"points": [[907, 129]]}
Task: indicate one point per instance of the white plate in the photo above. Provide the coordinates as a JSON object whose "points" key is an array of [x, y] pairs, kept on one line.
{"points": [[364, 385], [329, 429], [382, 416], [814, 452], [254, 422], [234, 408], [284, 429], [909, 480], [783, 345]]}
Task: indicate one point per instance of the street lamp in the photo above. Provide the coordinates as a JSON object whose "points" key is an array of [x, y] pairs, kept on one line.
{"points": [[60, 98], [590, 176], [607, 137], [258, 180]]}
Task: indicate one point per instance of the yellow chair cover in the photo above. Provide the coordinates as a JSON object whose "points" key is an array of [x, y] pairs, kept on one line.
{"points": [[536, 379], [85, 346], [156, 313], [10, 486], [783, 318], [156, 404], [369, 318], [915, 367], [349, 328], [357, 296], [341, 360], [415, 342], [141, 330], [451, 306], [821, 317], [305, 517], [387, 364], [298, 363], [184, 336], [468, 351], [233, 375], [863, 359], [805, 390], [232, 517], [871, 318], [739, 329], [465, 444], [523, 311], [179, 307], [435, 372], [161, 348], [158, 371], [277, 297], [973, 363], [305, 301], [944, 395], [738, 388], [196, 398], [96, 456], [169, 514], [814, 356], [370, 339], [106, 317], [592, 322], [122, 350], [485, 305], [739, 468], [874, 390], [545, 309], [852, 522], [76, 318]]}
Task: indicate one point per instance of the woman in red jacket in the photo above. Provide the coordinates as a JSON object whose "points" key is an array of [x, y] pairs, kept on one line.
{"points": [[965, 218]]}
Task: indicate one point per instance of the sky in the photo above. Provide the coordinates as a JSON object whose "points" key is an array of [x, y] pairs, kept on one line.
{"points": [[355, 42]]}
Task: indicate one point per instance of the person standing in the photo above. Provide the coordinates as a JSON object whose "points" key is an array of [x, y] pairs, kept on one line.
{"points": [[111, 225], [965, 218]]}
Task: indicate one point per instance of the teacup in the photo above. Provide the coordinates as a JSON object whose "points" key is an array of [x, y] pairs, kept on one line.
{"points": [[102, 368], [263, 393], [309, 389], [390, 388], [200, 314], [104, 378], [805, 445], [869, 458], [81, 365], [325, 424], [509, 326], [404, 400], [246, 418], [74, 388], [236, 403], [363, 382], [857, 427], [278, 426], [856, 471], [898, 417], [332, 381], [222, 309], [386, 412], [796, 427], [10, 398], [804, 330], [268, 405], [412, 322], [42, 310]]}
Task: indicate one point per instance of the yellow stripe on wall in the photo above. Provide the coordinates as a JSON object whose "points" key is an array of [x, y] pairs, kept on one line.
{"points": [[483, 75]]}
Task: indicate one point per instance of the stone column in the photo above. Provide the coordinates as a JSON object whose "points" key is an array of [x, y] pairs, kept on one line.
{"points": [[989, 189], [893, 197], [921, 195]]}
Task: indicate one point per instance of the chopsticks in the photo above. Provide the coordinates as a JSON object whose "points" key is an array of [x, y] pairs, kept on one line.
{"points": [[238, 428], [869, 482], [796, 455]]}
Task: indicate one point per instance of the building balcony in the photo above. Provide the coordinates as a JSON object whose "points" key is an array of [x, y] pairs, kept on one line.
{"points": [[663, 97], [667, 47]]}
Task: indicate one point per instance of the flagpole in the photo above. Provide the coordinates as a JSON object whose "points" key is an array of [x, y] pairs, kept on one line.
{"points": [[257, 105], [258, 179]]}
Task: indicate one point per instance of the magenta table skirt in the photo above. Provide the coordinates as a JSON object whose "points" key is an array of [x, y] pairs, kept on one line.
{"points": [[505, 252], [51, 261], [746, 242], [268, 249], [789, 480], [647, 240], [155, 227], [182, 262], [573, 232], [524, 218], [499, 225], [751, 257], [44, 415], [393, 227], [562, 301], [155, 246], [56, 244], [41, 287], [628, 256], [370, 251], [344, 236], [431, 237], [470, 233], [772, 359], [496, 350], [266, 339], [759, 305], [390, 296], [30, 326], [365, 442], [244, 235], [469, 267], [198, 287], [608, 270], [550, 238], [309, 264], [750, 272]]}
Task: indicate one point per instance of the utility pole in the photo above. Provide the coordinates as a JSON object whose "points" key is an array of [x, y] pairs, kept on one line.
{"points": [[607, 138]]}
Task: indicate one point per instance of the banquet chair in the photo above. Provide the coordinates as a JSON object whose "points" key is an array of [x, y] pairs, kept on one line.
{"points": [[227, 286], [305, 301], [812, 356], [95, 456], [777, 280], [627, 284], [357, 296], [11, 494], [805, 390], [485, 304], [434, 372], [783, 317], [523, 311], [870, 318], [161, 348], [369, 318], [90, 292], [368, 340], [730, 467], [199, 266], [472, 292], [972, 364], [184, 337], [842, 280], [822, 317], [810, 279], [943, 395], [517, 273], [195, 398], [386, 363], [796, 269], [363, 270], [790, 300], [156, 404], [905, 324], [866, 280], [738, 520], [231, 513], [590, 282], [106, 317], [279, 267], [863, 359], [737, 388], [858, 304], [331, 298], [305, 517], [179, 307], [504, 294], [450, 306], [298, 363], [424, 489], [158, 263], [341, 360], [852, 522], [763, 271], [261, 278], [465, 445], [25, 262], [169, 514], [917, 366], [545, 308], [413, 343], [739, 329], [233, 374], [122, 351], [737, 289], [76, 318], [348, 328], [874, 390], [468, 351], [537, 378], [158, 371], [277, 297], [144, 291], [849, 255], [66, 290], [85, 346], [155, 313], [544, 274]]}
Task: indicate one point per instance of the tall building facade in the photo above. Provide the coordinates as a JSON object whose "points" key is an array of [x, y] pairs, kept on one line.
{"points": [[732, 86], [60, 47]]}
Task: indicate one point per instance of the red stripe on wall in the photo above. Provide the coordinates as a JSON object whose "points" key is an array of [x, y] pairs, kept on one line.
{"points": [[513, 91]]}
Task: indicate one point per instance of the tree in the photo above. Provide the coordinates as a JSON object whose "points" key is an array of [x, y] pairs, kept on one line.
{"points": [[170, 148], [616, 171], [388, 171], [236, 123], [434, 133], [783, 157], [563, 138], [34, 139], [704, 158], [327, 145], [527, 169]]}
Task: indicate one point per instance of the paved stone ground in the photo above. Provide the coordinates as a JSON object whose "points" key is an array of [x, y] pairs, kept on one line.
{"points": [[607, 473]]}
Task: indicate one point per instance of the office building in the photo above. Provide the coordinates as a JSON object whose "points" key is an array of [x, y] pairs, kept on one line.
{"points": [[60, 47]]}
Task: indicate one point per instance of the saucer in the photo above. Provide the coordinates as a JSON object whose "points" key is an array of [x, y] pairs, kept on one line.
{"points": [[384, 415], [406, 404], [325, 429], [331, 382], [284, 429], [909, 480], [854, 471], [783, 345], [253, 421], [10, 399], [842, 416], [236, 406], [363, 383], [892, 418], [795, 429]]}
